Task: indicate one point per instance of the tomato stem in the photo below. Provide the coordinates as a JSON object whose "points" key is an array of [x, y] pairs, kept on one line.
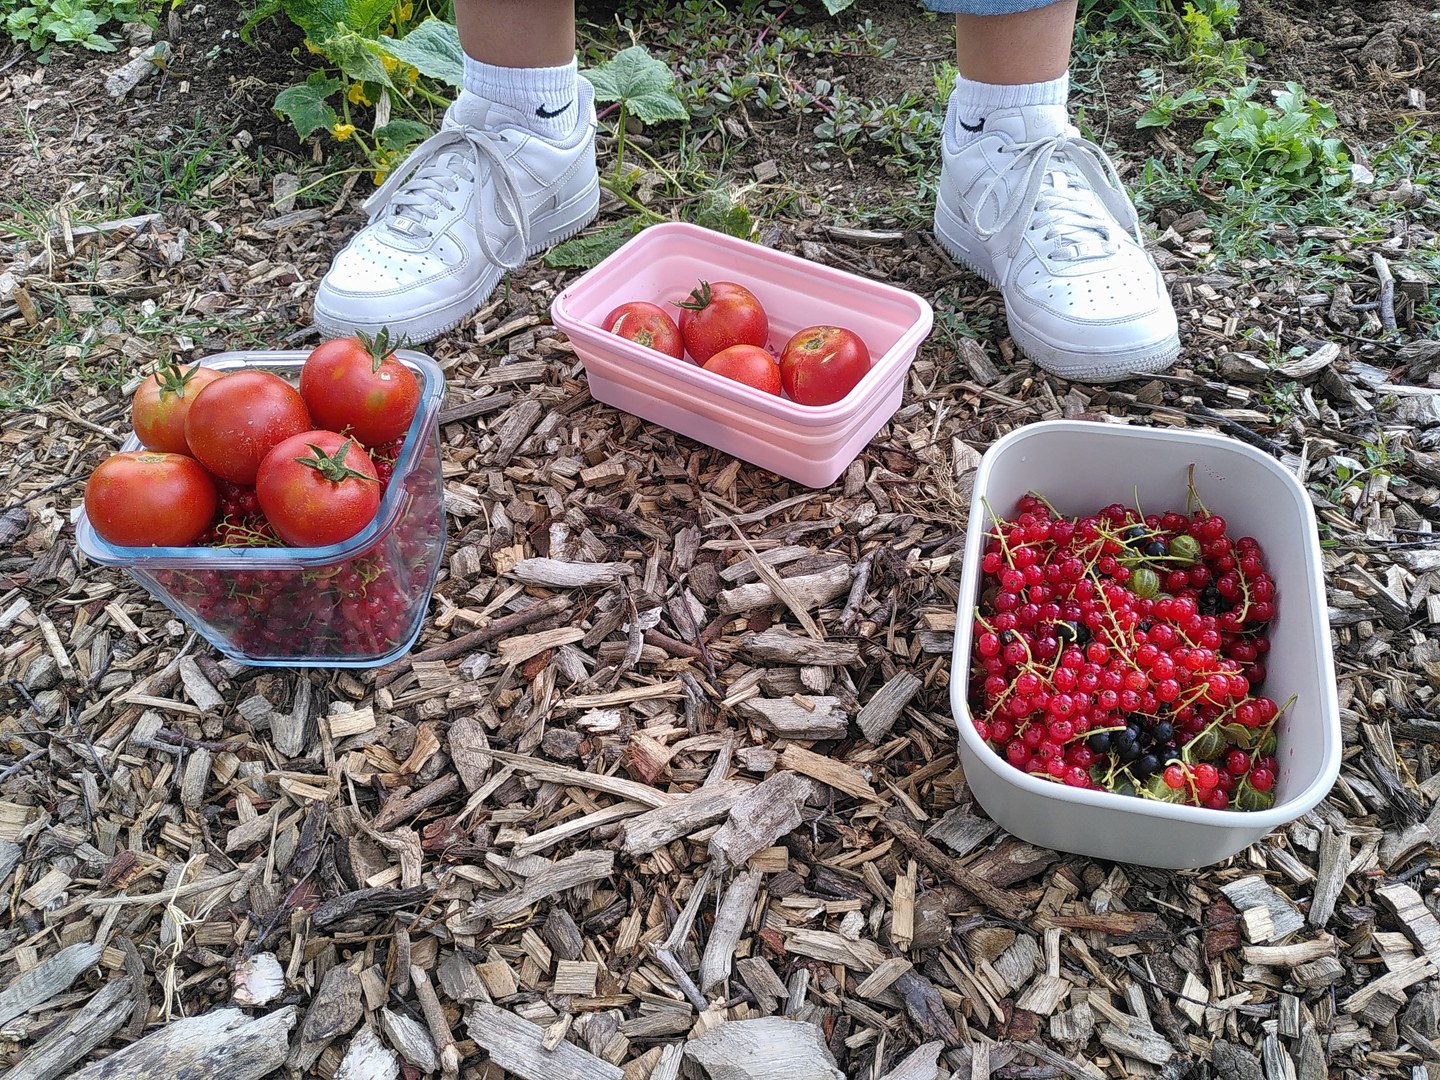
{"points": [[332, 466], [699, 298], [380, 346]]}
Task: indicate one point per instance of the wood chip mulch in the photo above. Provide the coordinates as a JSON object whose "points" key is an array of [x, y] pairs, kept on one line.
{"points": [[668, 786]]}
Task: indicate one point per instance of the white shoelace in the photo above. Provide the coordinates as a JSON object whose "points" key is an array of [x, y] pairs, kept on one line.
{"points": [[430, 176], [1038, 180]]}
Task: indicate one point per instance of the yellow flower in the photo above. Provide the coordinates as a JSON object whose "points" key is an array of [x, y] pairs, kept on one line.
{"points": [[342, 131], [385, 158], [404, 11], [389, 61], [357, 96], [310, 46]]}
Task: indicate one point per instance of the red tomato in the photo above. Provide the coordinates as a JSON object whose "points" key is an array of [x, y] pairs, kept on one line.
{"points": [[158, 409], [235, 421], [821, 364], [356, 386], [721, 314], [318, 488], [145, 497], [748, 364], [646, 324]]}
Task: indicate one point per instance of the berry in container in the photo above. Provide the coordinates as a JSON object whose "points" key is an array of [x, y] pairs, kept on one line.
{"points": [[809, 444], [1080, 467], [358, 603]]}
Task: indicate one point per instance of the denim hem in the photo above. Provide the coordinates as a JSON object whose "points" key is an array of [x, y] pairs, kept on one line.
{"points": [[985, 7]]}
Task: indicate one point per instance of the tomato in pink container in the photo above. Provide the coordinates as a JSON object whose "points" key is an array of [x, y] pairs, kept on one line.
{"points": [[810, 444]]}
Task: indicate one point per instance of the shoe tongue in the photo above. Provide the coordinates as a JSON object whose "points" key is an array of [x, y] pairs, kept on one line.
{"points": [[474, 111], [468, 110], [1030, 122]]}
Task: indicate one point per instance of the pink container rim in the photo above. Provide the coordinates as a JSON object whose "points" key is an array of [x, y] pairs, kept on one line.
{"points": [[566, 311]]}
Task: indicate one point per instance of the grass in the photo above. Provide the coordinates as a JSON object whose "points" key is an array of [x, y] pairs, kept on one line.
{"points": [[72, 343]]}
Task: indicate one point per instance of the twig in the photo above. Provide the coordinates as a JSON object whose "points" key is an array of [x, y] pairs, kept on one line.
{"points": [[13, 769], [993, 897], [555, 605], [858, 586], [671, 645], [1387, 291], [169, 896], [664, 952]]}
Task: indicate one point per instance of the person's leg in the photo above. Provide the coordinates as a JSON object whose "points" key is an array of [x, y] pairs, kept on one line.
{"points": [[1037, 210], [521, 53], [511, 172], [1024, 47], [517, 33]]}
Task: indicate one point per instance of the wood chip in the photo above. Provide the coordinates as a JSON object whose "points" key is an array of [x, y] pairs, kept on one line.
{"points": [[568, 873], [769, 810], [766, 1048], [516, 1045]]}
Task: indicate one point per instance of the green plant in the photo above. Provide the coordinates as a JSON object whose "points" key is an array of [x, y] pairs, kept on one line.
{"points": [[41, 24], [380, 55], [1285, 148], [1156, 19], [908, 130], [1205, 49], [640, 86], [1376, 463]]}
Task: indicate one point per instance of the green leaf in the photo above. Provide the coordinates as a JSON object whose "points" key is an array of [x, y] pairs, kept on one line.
{"points": [[305, 105], [644, 85], [584, 252], [20, 20], [834, 7], [398, 134], [319, 18], [355, 55], [718, 209], [433, 48]]}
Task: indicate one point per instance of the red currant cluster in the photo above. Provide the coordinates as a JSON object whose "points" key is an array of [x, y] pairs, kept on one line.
{"points": [[1125, 652], [360, 608], [384, 458], [239, 521]]}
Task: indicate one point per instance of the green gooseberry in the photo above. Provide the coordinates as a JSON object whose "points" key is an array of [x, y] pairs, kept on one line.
{"points": [[1185, 549], [1144, 583]]}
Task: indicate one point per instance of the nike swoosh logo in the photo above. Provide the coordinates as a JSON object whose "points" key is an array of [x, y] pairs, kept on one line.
{"points": [[978, 127], [545, 114]]}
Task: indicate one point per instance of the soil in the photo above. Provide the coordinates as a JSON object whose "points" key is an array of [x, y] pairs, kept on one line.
{"points": [[137, 762]]}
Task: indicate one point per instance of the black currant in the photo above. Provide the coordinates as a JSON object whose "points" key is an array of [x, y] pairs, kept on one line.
{"points": [[1146, 765], [1163, 732], [1099, 743]]}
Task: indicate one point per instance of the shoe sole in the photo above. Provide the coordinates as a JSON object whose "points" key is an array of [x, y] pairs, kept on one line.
{"points": [[1144, 359], [425, 327]]}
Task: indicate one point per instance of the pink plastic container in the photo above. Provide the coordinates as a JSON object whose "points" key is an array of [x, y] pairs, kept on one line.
{"points": [[809, 444]]}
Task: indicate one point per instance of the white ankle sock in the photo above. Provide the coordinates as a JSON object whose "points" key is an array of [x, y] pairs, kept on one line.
{"points": [[971, 102], [544, 96]]}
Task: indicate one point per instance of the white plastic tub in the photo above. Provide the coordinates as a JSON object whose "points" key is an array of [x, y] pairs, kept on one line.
{"points": [[807, 443], [1081, 467]]}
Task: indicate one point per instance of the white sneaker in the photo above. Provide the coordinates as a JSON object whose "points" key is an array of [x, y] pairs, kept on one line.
{"points": [[471, 202], [1040, 213]]}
